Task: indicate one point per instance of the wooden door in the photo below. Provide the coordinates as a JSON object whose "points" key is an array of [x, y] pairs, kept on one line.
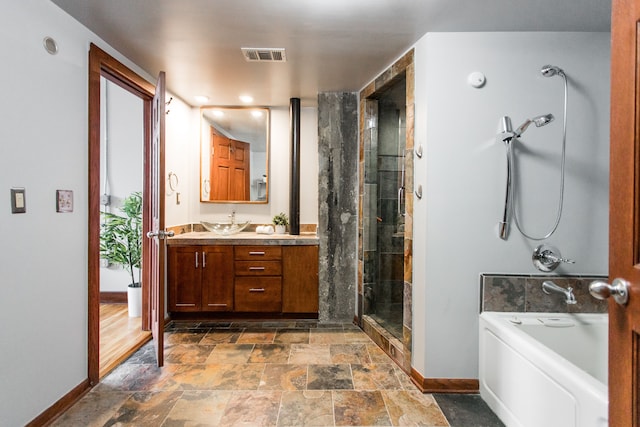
{"points": [[217, 278], [184, 276], [230, 168], [156, 241], [240, 183], [624, 216]]}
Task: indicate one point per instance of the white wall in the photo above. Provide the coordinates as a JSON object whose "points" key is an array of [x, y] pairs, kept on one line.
{"points": [[43, 267], [181, 139], [183, 155], [463, 175], [121, 145]]}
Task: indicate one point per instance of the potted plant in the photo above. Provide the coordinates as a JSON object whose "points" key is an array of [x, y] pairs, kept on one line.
{"points": [[281, 221], [121, 243]]}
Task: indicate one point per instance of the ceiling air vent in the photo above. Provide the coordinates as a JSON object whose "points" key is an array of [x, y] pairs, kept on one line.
{"points": [[264, 55]]}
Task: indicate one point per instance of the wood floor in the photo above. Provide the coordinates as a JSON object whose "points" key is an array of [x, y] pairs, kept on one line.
{"points": [[120, 336]]}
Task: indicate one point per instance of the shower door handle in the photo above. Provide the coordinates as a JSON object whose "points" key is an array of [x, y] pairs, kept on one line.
{"points": [[401, 190], [400, 197]]}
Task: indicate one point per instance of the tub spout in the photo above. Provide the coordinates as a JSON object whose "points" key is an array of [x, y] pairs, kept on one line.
{"points": [[548, 287]]}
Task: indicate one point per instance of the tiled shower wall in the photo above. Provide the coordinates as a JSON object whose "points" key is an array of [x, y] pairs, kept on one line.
{"points": [[512, 293]]}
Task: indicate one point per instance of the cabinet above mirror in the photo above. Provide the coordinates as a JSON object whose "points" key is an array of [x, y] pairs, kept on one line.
{"points": [[234, 154]]}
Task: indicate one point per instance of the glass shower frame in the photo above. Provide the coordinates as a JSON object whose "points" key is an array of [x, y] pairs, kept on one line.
{"points": [[399, 349]]}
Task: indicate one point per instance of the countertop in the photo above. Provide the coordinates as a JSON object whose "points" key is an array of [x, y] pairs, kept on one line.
{"points": [[243, 238]]}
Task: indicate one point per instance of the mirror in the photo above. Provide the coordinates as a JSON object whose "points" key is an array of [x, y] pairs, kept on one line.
{"points": [[234, 154]]}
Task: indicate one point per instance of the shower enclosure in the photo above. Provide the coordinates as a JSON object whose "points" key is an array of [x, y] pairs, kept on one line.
{"points": [[384, 208]]}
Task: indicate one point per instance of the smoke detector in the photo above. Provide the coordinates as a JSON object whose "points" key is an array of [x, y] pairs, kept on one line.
{"points": [[252, 54]]}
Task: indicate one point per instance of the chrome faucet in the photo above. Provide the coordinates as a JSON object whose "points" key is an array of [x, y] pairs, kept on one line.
{"points": [[548, 287]]}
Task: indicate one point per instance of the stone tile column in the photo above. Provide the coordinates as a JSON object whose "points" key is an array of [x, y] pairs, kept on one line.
{"points": [[338, 204]]}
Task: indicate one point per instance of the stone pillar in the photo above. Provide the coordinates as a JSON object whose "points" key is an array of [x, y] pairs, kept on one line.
{"points": [[338, 204]]}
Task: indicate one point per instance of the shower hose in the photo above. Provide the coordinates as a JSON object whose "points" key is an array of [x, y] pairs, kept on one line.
{"points": [[512, 175]]}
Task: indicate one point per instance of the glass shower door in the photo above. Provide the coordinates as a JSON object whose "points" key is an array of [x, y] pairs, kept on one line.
{"points": [[384, 210]]}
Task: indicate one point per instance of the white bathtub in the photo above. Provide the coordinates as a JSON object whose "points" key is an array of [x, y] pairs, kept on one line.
{"points": [[545, 369]]}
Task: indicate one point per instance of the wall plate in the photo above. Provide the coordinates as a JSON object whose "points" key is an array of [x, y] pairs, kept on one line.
{"points": [[18, 201], [64, 201]]}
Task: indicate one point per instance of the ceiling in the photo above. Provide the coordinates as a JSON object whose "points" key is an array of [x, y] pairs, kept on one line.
{"points": [[331, 45]]}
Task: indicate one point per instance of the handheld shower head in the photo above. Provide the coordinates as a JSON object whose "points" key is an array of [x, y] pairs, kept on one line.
{"points": [[551, 70], [539, 121], [545, 119]]}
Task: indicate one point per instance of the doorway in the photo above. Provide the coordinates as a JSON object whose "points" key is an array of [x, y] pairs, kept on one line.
{"points": [[121, 166], [103, 66]]}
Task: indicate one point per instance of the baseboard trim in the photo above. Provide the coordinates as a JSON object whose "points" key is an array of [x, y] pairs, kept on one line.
{"points": [[224, 316], [64, 403], [444, 385], [113, 297]]}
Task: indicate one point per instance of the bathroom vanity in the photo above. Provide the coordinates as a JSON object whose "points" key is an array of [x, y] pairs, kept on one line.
{"points": [[242, 275]]}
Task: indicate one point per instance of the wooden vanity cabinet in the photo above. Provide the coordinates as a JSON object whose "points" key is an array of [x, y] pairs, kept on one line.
{"points": [[200, 278], [269, 279]]}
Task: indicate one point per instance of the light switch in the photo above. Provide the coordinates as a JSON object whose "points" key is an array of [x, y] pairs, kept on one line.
{"points": [[18, 201]]}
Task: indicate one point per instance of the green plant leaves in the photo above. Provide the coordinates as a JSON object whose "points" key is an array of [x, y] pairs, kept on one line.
{"points": [[281, 219], [121, 236]]}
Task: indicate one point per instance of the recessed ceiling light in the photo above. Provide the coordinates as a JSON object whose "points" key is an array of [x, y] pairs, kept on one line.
{"points": [[50, 45], [201, 98], [246, 99]]}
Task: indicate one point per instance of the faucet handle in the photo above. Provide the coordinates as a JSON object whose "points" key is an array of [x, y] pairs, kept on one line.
{"points": [[547, 258], [566, 260]]}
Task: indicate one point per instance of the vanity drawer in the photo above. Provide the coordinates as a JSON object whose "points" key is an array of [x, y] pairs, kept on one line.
{"points": [[258, 294], [258, 268], [258, 252]]}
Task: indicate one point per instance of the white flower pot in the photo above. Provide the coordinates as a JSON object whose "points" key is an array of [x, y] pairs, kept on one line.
{"points": [[134, 301], [281, 229]]}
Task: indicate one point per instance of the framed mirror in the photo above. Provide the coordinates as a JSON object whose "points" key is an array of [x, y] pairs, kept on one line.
{"points": [[234, 154]]}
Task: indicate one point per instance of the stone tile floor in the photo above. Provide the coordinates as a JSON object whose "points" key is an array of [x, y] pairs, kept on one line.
{"points": [[298, 373]]}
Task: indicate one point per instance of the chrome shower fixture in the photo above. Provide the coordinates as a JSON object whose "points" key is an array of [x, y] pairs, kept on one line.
{"points": [[552, 70], [539, 121], [505, 131], [507, 135]]}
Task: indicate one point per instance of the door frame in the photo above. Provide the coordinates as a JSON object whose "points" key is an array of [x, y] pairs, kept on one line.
{"points": [[101, 64]]}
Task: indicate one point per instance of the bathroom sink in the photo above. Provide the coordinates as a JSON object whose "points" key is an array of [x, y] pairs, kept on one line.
{"points": [[225, 228]]}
